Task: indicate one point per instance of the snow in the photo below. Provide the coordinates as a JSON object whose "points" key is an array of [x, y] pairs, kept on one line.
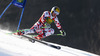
{"points": [[13, 46]]}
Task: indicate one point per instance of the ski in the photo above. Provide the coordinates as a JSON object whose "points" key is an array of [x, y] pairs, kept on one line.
{"points": [[30, 38], [33, 41]]}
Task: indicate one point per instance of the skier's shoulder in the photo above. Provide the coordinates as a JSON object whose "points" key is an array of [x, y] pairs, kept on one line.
{"points": [[46, 12]]}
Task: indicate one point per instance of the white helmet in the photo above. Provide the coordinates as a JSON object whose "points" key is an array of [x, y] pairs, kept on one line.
{"points": [[56, 10]]}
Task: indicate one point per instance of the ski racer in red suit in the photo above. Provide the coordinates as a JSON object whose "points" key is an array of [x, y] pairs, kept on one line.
{"points": [[43, 27]]}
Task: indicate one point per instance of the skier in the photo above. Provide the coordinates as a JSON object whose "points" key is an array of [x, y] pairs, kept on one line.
{"points": [[43, 27]]}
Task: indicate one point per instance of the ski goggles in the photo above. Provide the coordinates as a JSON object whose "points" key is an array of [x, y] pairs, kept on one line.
{"points": [[57, 13]]}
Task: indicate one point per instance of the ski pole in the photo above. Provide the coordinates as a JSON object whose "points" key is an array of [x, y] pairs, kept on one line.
{"points": [[51, 35], [5, 10], [20, 19], [57, 34]]}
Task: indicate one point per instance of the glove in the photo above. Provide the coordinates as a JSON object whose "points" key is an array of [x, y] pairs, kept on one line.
{"points": [[63, 33], [19, 33], [47, 25]]}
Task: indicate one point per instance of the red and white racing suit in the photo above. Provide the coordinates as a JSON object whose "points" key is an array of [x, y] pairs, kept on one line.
{"points": [[42, 26]]}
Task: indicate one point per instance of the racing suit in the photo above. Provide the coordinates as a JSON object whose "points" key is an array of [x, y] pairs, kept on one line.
{"points": [[43, 27]]}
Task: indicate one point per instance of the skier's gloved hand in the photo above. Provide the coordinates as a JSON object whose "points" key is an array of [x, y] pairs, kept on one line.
{"points": [[63, 33], [47, 25]]}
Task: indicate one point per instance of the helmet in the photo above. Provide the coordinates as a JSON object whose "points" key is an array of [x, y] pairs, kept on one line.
{"points": [[56, 10]]}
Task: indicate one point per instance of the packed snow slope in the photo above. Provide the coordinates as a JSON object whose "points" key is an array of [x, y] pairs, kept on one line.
{"points": [[13, 46]]}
